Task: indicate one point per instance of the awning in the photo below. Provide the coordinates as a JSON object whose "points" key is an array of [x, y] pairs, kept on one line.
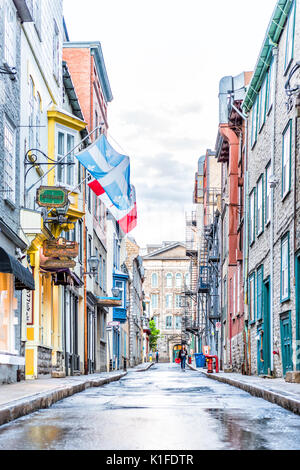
{"points": [[23, 277], [109, 301]]}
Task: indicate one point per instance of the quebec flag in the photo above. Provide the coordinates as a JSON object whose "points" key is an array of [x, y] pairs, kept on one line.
{"points": [[110, 169]]}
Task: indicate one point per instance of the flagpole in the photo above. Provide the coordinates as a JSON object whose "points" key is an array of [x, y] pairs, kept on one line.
{"points": [[71, 151]]}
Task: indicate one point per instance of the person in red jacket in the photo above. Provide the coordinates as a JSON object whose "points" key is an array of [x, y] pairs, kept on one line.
{"points": [[182, 356]]}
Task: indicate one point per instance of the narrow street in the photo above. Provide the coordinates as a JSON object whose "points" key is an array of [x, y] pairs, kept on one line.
{"points": [[163, 409]]}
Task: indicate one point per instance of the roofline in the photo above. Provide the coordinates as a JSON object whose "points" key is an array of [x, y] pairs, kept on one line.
{"points": [[96, 51], [264, 60], [162, 249]]}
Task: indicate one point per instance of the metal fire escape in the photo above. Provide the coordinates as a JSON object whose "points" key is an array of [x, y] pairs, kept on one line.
{"points": [[209, 269]]}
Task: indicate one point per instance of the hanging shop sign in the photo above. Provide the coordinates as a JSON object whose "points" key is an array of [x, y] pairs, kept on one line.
{"points": [[60, 247], [53, 263], [51, 196], [28, 298]]}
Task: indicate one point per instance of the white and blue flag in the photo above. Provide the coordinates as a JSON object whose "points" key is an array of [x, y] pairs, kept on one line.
{"points": [[110, 168]]}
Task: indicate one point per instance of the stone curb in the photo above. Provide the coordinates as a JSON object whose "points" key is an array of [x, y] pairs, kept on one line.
{"points": [[146, 368], [40, 401], [277, 398]]}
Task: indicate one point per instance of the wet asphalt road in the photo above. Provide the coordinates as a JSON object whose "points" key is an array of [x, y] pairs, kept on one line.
{"points": [[161, 409]]}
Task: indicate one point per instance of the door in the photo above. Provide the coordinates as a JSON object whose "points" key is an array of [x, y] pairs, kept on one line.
{"points": [[286, 342], [260, 350], [175, 352]]}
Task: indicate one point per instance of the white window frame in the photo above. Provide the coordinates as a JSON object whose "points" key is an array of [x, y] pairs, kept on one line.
{"points": [[10, 24], [154, 297], [252, 298], [286, 159], [268, 194], [9, 162], [178, 280], [260, 206], [271, 85], [252, 217], [56, 51], [64, 170], [169, 280], [289, 48], [262, 106], [178, 323], [169, 301], [169, 324], [178, 301], [154, 276], [285, 274]]}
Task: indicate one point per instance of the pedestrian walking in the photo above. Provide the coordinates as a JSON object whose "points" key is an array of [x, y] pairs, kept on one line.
{"points": [[182, 356], [156, 356]]}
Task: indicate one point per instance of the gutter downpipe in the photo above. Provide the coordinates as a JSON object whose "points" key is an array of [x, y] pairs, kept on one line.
{"points": [[275, 56], [245, 232]]}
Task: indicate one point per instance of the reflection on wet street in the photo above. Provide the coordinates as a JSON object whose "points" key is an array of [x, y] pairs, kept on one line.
{"points": [[160, 409]]}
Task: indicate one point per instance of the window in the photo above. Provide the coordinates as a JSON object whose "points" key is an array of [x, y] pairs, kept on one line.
{"points": [[178, 280], [169, 279], [271, 85], [100, 272], [260, 207], [263, 99], [187, 280], [268, 194], [31, 141], [154, 300], [286, 160], [168, 322], [154, 280], [254, 121], [252, 298], [169, 301], [104, 274], [38, 122], [156, 321], [178, 323], [178, 301], [120, 285], [65, 154], [80, 240], [9, 163], [252, 217], [10, 34], [97, 275], [285, 269], [37, 17], [289, 49], [56, 51], [260, 293]]}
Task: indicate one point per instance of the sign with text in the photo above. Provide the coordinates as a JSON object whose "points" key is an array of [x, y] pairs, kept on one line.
{"points": [[51, 196], [60, 247]]}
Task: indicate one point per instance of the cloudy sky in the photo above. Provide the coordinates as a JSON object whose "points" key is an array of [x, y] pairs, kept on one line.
{"points": [[164, 60]]}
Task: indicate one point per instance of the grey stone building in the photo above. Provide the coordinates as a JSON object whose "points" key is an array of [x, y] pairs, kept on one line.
{"points": [[167, 272], [14, 278], [273, 196]]}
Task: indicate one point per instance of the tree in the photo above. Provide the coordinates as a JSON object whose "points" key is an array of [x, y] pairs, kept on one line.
{"points": [[154, 335]]}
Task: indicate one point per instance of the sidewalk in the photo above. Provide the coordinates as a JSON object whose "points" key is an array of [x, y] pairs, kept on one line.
{"points": [[277, 391], [21, 398]]}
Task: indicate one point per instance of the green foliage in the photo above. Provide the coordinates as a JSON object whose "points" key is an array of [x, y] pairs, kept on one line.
{"points": [[153, 338]]}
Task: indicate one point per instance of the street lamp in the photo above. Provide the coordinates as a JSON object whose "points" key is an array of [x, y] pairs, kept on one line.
{"points": [[115, 292], [93, 262]]}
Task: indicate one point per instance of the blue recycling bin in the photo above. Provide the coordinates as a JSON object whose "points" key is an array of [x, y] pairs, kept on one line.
{"points": [[200, 360]]}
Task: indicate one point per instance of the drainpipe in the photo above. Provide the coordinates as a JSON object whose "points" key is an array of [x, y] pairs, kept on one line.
{"points": [[228, 134], [275, 64]]}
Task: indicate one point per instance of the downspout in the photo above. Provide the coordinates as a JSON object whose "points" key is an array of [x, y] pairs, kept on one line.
{"points": [[228, 134], [275, 56], [246, 239]]}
